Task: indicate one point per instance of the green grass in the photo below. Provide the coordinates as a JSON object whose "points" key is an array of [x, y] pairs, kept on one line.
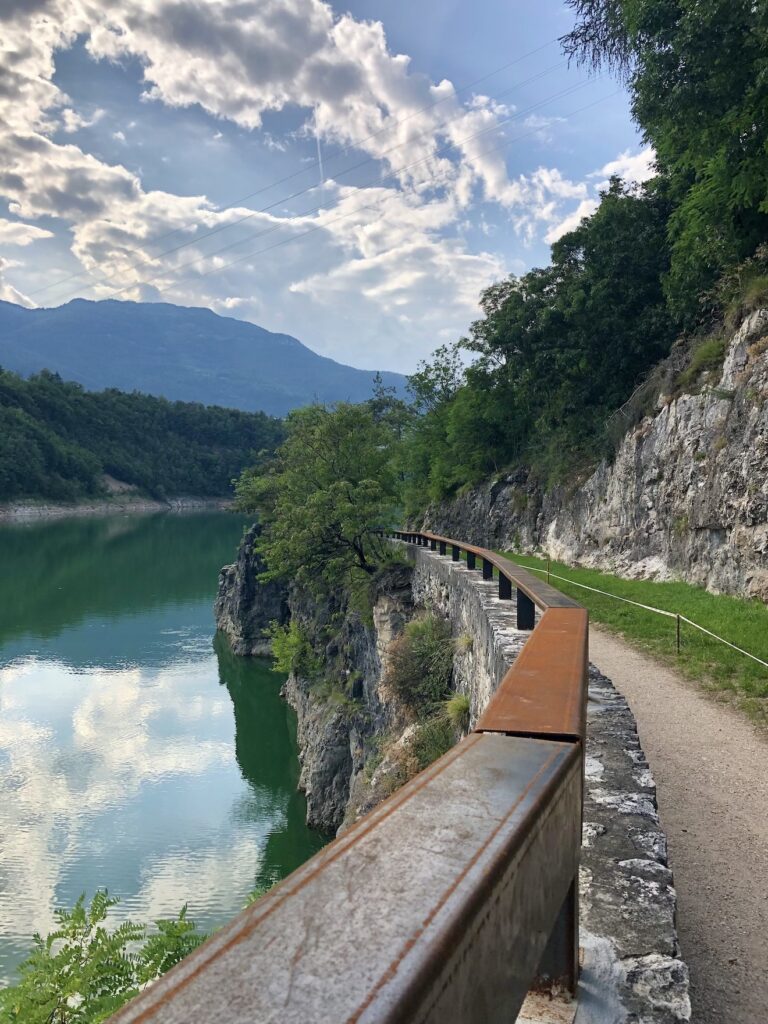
{"points": [[702, 658]]}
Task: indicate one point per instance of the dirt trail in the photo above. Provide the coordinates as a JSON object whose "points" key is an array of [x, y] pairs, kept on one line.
{"points": [[711, 770]]}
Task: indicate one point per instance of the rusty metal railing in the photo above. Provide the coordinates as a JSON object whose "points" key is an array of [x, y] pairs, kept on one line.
{"points": [[452, 898]]}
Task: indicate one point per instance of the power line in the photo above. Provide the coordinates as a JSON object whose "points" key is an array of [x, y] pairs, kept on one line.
{"points": [[350, 145], [388, 127], [318, 227], [378, 179]]}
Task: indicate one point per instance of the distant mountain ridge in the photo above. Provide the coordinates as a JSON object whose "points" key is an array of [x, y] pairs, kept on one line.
{"points": [[179, 352]]}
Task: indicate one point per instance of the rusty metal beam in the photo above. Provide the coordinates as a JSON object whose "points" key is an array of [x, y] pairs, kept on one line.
{"points": [[545, 691], [435, 908]]}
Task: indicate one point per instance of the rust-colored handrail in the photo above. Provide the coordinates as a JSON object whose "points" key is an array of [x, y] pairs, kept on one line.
{"points": [[544, 693], [451, 898]]}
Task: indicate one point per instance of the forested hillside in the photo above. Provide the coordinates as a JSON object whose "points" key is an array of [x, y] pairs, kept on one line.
{"points": [[57, 441], [677, 259]]}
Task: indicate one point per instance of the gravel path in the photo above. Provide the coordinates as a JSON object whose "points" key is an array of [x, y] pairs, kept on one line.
{"points": [[711, 770]]}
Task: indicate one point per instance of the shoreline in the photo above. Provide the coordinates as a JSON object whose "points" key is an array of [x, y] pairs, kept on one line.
{"points": [[30, 511]]}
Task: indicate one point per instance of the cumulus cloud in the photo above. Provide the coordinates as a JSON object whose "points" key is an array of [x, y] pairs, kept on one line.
{"points": [[17, 233], [7, 291], [239, 60], [632, 167], [585, 208]]}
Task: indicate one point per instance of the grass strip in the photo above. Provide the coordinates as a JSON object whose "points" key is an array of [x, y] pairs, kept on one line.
{"points": [[714, 665]]}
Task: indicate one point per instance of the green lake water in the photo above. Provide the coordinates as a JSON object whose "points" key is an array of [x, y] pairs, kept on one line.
{"points": [[136, 752]]}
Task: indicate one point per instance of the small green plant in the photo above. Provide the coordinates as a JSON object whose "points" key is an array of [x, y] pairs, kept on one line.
{"points": [[680, 525], [257, 892], [707, 357], [457, 710], [83, 971], [421, 664], [291, 649], [433, 738], [464, 643], [725, 393]]}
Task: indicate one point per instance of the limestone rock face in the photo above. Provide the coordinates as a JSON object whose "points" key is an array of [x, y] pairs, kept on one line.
{"points": [[244, 607], [337, 735], [686, 495]]}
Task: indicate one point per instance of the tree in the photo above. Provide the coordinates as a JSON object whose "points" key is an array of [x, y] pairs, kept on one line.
{"points": [[555, 351], [325, 496], [698, 76]]}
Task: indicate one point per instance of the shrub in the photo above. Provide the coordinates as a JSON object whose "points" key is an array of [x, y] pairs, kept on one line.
{"points": [[457, 711], [291, 649], [83, 972], [707, 357], [433, 738], [421, 664]]}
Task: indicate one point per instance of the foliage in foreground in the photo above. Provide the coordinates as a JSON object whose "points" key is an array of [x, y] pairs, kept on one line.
{"points": [[84, 971]]}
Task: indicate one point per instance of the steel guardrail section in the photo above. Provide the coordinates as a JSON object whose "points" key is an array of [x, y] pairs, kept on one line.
{"points": [[434, 908], [542, 594], [544, 693]]}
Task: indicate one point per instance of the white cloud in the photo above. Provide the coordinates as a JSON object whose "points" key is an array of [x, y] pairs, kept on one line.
{"points": [[14, 232], [7, 291], [239, 61], [72, 121], [632, 167], [585, 208]]}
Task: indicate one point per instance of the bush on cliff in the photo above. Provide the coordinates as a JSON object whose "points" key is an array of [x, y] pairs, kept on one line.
{"points": [[421, 664]]}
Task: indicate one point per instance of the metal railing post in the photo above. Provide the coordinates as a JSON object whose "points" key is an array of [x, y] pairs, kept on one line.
{"points": [[443, 548], [455, 552], [559, 965], [433, 545], [487, 569], [470, 559], [526, 611], [505, 587]]}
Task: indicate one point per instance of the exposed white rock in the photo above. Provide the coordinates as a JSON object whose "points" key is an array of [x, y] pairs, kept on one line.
{"points": [[686, 495]]}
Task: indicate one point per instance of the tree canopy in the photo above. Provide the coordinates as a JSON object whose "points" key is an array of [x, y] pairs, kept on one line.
{"points": [[58, 440], [698, 76], [329, 489]]}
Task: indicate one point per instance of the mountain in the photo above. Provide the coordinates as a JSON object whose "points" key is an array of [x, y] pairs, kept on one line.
{"points": [[178, 352]]}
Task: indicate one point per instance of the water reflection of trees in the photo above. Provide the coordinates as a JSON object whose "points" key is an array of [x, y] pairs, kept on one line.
{"points": [[267, 755], [55, 574]]}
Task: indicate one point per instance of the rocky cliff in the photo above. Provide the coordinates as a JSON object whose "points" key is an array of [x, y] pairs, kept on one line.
{"points": [[345, 716], [244, 606], [686, 495]]}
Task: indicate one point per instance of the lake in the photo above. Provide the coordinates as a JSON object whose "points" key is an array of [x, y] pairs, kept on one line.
{"points": [[136, 751]]}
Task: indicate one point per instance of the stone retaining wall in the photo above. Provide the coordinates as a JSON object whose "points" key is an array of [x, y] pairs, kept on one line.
{"points": [[632, 970]]}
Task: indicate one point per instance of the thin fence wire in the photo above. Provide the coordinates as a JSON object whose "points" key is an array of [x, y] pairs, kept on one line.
{"points": [[649, 608]]}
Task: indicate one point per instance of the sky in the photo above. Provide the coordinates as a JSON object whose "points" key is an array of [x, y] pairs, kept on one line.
{"points": [[352, 175]]}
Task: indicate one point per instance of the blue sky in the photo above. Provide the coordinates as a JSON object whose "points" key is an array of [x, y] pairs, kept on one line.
{"points": [[168, 150]]}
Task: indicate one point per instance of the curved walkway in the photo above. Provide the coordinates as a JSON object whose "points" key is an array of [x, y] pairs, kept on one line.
{"points": [[711, 771]]}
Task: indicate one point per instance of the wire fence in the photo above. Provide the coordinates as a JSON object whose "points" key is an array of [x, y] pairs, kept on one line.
{"points": [[650, 608]]}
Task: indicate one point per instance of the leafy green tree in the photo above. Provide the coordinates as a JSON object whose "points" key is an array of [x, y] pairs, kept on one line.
{"points": [[555, 351], [698, 76], [323, 499], [83, 972]]}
